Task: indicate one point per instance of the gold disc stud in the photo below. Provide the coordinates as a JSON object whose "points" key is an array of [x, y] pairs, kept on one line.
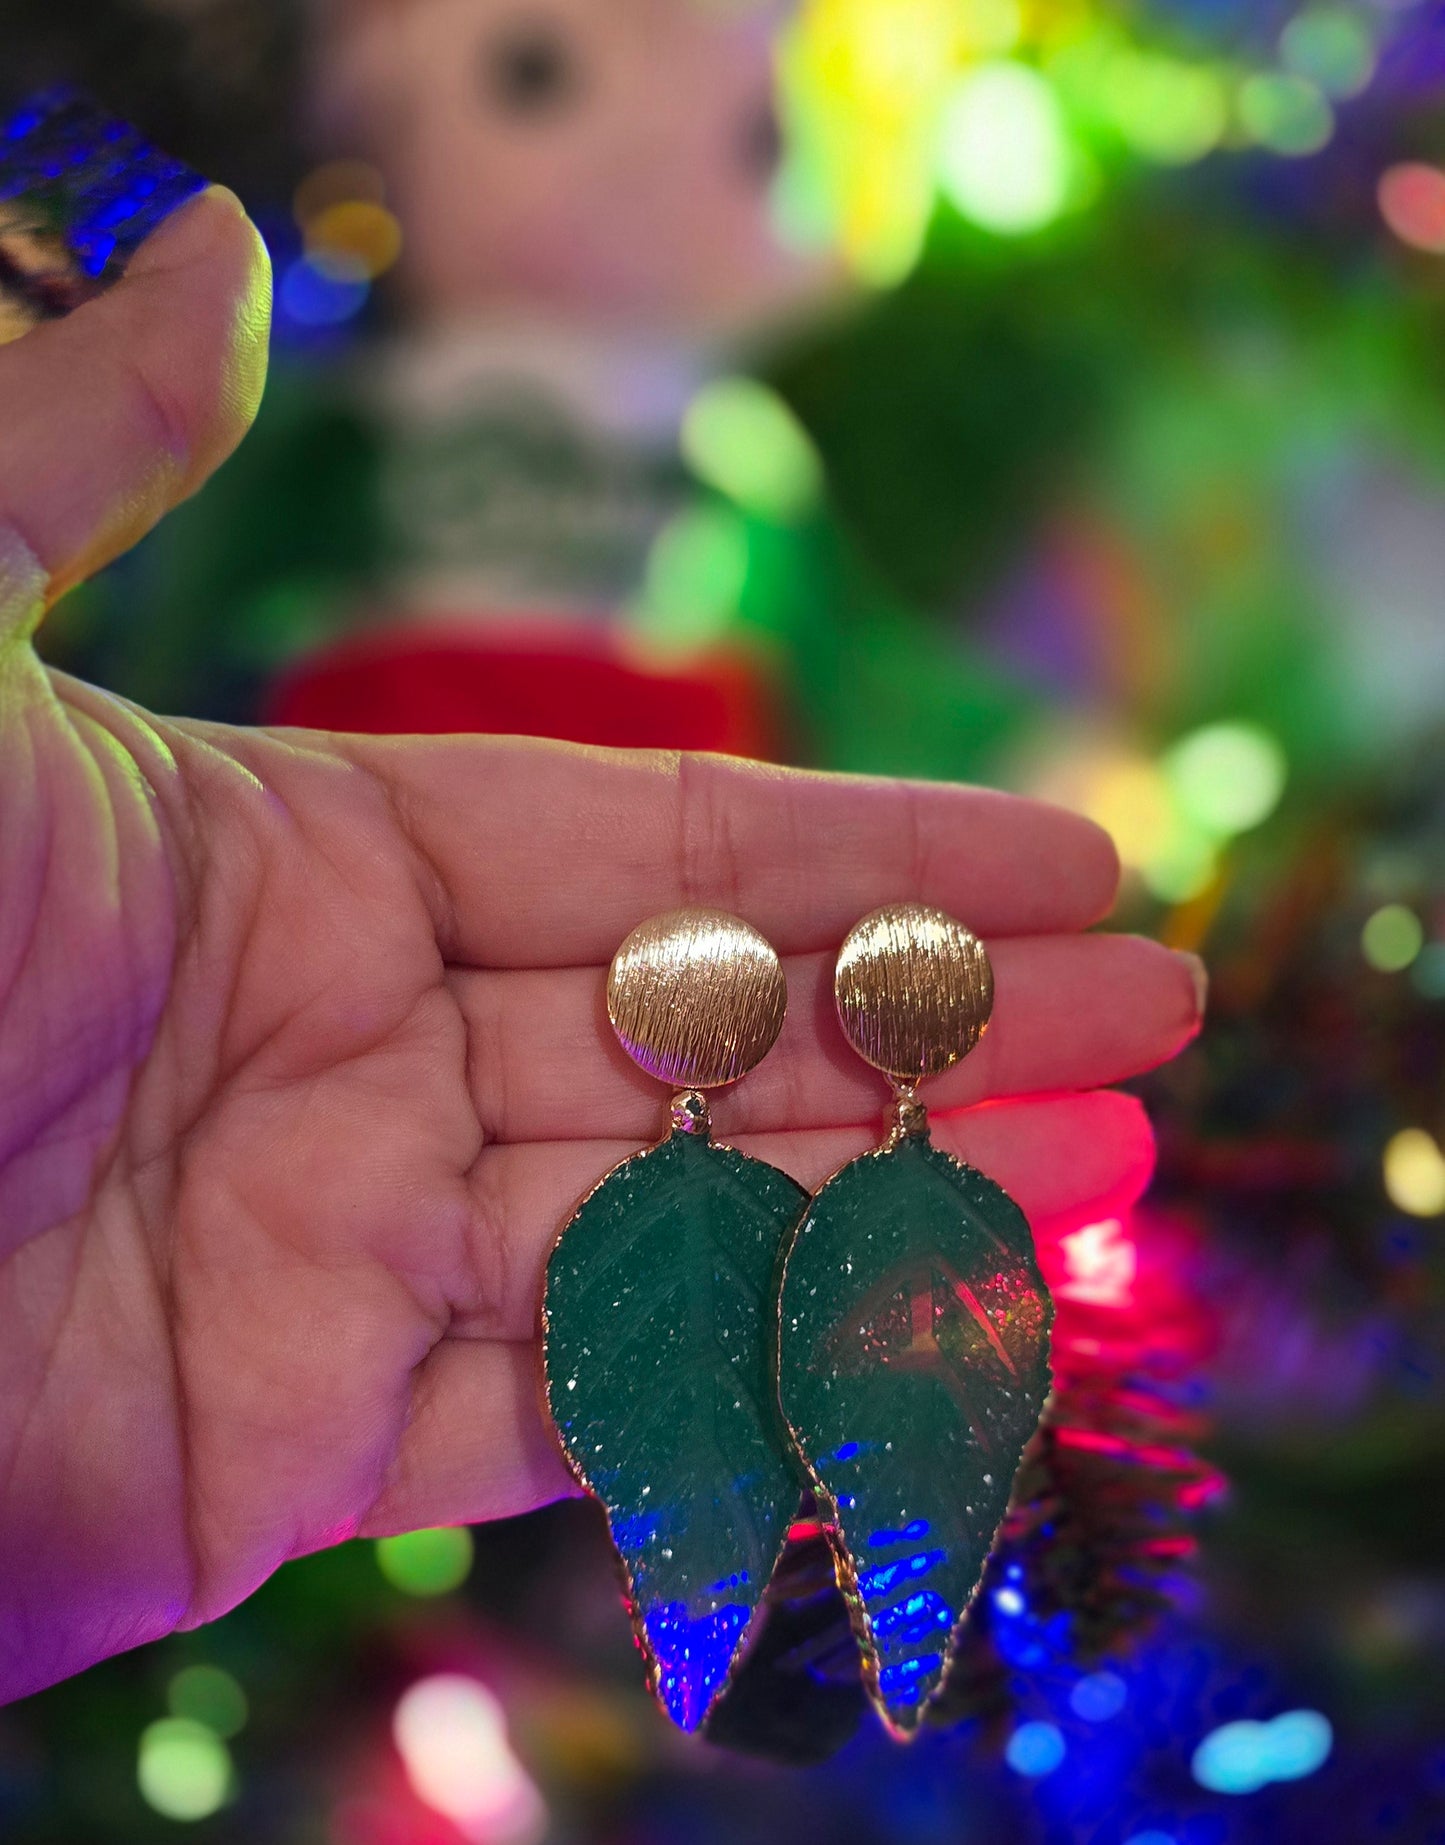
{"points": [[696, 997], [914, 990]]}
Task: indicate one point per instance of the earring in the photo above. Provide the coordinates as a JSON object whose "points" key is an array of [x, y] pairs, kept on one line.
{"points": [[657, 1315], [913, 1323]]}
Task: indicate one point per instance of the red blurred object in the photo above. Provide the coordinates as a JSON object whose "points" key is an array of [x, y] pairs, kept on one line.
{"points": [[535, 681]]}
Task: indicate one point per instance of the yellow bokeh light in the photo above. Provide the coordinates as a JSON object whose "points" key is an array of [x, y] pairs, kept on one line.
{"points": [[992, 26], [1130, 800], [358, 235], [1414, 1171]]}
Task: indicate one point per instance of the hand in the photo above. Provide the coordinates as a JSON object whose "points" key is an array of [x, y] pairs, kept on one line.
{"points": [[303, 1058]]}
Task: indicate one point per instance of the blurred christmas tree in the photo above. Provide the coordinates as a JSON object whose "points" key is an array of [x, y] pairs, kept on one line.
{"points": [[1122, 481]]}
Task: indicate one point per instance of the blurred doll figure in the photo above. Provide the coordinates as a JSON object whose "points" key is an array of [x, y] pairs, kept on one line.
{"points": [[582, 188]]}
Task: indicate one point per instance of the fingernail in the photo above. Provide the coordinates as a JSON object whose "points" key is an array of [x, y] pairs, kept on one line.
{"points": [[80, 190], [1199, 974]]}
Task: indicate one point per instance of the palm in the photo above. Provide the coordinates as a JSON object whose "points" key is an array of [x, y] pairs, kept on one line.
{"points": [[323, 1065]]}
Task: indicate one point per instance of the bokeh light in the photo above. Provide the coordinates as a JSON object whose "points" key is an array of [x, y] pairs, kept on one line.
{"points": [[862, 83], [1234, 1759], [1004, 150], [1412, 202], [1391, 938], [1035, 1749], [1101, 1266], [696, 571], [1167, 110], [1332, 46], [1300, 1744], [355, 237], [424, 1563], [335, 183], [1226, 777], [992, 26], [1242, 1757], [451, 1734], [183, 1769], [1132, 798], [208, 1695], [1285, 113], [1414, 1172], [313, 296], [1428, 973], [740, 437], [1098, 1697]]}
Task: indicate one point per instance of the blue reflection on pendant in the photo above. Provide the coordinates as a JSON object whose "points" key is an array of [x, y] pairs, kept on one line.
{"points": [[884, 1577], [918, 1529], [898, 1682], [913, 1622], [634, 1532], [735, 1581], [693, 1653]]}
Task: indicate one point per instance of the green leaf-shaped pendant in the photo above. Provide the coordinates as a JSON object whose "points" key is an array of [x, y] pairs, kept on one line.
{"points": [[913, 1367], [658, 1346]]}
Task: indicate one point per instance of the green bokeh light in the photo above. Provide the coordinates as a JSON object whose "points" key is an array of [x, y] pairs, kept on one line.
{"points": [[1287, 114], [1168, 111], [1391, 938], [426, 1562], [208, 1695], [1226, 777], [183, 1769], [696, 572], [1004, 156], [1332, 46], [741, 438]]}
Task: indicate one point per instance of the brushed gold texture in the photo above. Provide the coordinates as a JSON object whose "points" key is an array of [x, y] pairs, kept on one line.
{"points": [[696, 997], [914, 990]]}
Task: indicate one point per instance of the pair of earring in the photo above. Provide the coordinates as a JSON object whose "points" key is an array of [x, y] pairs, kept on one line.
{"points": [[716, 1342]]}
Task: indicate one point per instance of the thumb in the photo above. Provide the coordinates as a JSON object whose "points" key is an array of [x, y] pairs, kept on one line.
{"points": [[111, 416]]}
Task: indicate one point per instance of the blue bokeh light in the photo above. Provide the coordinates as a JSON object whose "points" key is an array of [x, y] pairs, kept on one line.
{"points": [[1300, 1743], [1098, 1697], [1234, 1759], [1035, 1749], [1242, 1757], [313, 297]]}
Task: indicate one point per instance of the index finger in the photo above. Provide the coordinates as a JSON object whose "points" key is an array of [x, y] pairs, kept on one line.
{"points": [[547, 855]]}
